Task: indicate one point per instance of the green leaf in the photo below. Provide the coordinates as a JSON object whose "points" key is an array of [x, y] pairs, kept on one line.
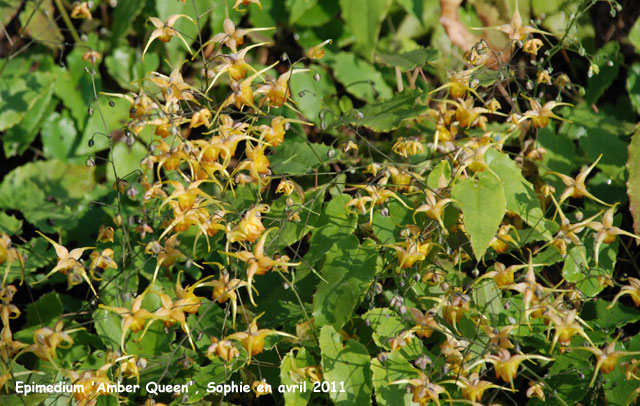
{"points": [[291, 231], [415, 7], [65, 90], [288, 376], [483, 205], [123, 15], [320, 14], [348, 363], [585, 276], [188, 29], [217, 372], [385, 324], [155, 342], [519, 193], [115, 119], [18, 138], [108, 326], [393, 369], [359, 77], [126, 160], [440, 175], [410, 60], [612, 148], [58, 135], [488, 298], [297, 8], [37, 21], [559, 151], [18, 95], [598, 314], [50, 193], [633, 85], [634, 35], [125, 66], [312, 96], [364, 17], [45, 311], [296, 156], [9, 224], [349, 269], [333, 225], [388, 228], [565, 378], [608, 61], [387, 115], [633, 183], [8, 10]]}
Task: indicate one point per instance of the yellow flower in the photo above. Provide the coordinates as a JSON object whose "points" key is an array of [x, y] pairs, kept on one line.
{"points": [[607, 358], [316, 51], [506, 365], [607, 232], [258, 263], [68, 261], [632, 289], [253, 338], [535, 389], [250, 227], [102, 260], [81, 11], [224, 290], [433, 208], [105, 234], [201, 117], [223, 349], [540, 115], [576, 188], [133, 318], [532, 46], [236, 6], [473, 387], [164, 31], [47, 340]]}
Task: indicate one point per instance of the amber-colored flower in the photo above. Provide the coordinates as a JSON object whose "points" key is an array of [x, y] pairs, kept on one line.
{"points": [[133, 318], [92, 56], [606, 358], [317, 51], [506, 365], [253, 339], [68, 260], [540, 115], [532, 46], [164, 31], [607, 232], [223, 349], [81, 11], [632, 289], [433, 208], [250, 227], [535, 390], [236, 6], [576, 187], [258, 263]]}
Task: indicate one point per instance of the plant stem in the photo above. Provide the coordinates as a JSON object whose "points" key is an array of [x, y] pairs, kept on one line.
{"points": [[67, 21]]}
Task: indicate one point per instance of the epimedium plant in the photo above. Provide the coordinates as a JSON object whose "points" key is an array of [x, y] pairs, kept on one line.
{"points": [[239, 214]]}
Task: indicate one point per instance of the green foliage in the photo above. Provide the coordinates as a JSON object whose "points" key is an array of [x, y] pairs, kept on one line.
{"points": [[348, 363], [483, 205], [348, 270], [383, 238]]}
